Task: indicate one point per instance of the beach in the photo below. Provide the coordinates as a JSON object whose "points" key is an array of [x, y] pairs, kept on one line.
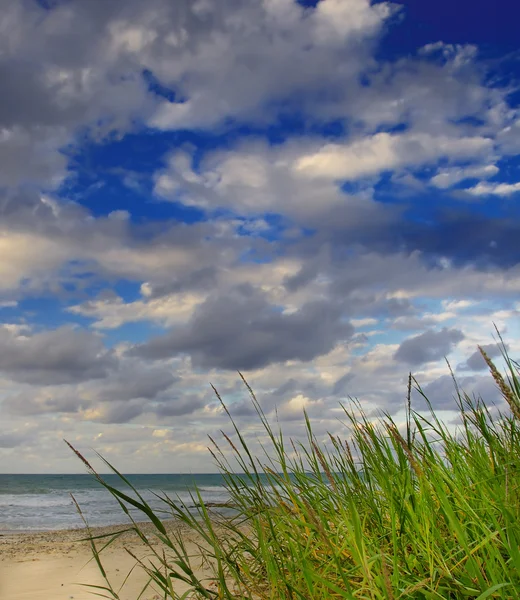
{"points": [[52, 565], [40, 555]]}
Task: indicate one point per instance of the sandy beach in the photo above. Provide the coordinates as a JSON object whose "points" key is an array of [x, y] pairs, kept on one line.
{"points": [[53, 565]]}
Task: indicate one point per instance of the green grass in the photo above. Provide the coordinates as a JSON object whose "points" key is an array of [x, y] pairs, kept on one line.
{"points": [[380, 514]]}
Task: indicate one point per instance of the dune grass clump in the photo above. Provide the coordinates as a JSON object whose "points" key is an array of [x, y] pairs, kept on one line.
{"points": [[420, 511]]}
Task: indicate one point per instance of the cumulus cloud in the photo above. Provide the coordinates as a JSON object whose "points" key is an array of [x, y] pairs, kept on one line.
{"points": [[128, 390], [15, 438], [215, 64], [45, 400], [243, 331], [494, 189], [132, 381], [61, 356], [177, 406], [385, 151], [115, 43], [507, 137], [112, 313], [377, 284], [44, 242], [476, 363], [255, 178], [428, 346], [115, 412], [446, 178], [94, 76], [27, 254], [236, 66], [442, 393], [58, 82], [251, 179]]}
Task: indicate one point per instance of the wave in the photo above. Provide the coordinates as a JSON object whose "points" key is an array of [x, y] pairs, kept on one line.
{"points": [[33, 500], [54, 509]]}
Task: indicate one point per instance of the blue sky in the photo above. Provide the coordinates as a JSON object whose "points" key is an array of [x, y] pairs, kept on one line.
{"points": [[323, 195]]}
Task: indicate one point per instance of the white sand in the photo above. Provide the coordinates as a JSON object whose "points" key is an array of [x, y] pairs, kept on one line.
{"points": [[50, 565]]}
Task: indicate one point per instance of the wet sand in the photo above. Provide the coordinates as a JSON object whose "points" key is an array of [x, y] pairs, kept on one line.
{"points": [[51, 565]]}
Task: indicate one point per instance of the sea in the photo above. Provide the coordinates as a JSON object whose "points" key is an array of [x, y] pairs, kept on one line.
{"points": [[44, 503]]}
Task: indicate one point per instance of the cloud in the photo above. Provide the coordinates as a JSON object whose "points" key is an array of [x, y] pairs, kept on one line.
{"points": [[44, 242], [447, 178], [494, 189], [57, 83], [32, 156], [201, 52], [26, 254], [442, 393], [385, 151], [177, 406], [114, 312], [241, 330], [428, 346], [14, 439], [431, 92], [254, 178], [230, 70], [116, 412], [123, 39], [61, 356], [462, 237], [216, 67], [476, 363], [424, 320], [250, 179], [127, 391], [45, 400], [507, 137], [388, 284], [132, 381]]}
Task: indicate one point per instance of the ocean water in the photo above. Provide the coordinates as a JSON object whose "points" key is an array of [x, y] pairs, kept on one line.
{"points": [[43, 502]]}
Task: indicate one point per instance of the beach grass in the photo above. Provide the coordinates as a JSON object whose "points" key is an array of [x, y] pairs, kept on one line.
{"points": [[421, 511]]}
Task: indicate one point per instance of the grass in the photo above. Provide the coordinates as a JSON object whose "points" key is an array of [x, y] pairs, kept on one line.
{"points": [[382, 514]]}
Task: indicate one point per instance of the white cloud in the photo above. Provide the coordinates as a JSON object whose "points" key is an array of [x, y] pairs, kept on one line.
{"points": [[55, 356], [494, 189], [508, 137], [219, 66], [385, 151], [32, 156], [446, 178], [425, 320], [114, 312], [336, 20], [51, 242], [363, 322], [457, 305], [58, 82], [300, 180], [233, 72], [28, 255], [251, 179], [407, 276]]}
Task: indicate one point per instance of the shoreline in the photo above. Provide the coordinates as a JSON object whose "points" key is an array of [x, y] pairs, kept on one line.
{"points": [[55, 565]]}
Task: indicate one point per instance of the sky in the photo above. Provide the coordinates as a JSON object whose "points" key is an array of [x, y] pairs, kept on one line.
{"points": [[322, 195]]}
